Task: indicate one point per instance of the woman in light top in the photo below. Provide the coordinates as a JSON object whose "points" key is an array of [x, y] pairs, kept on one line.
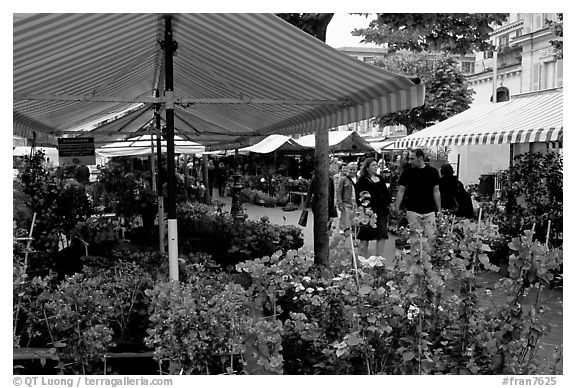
{"points": [[346, 196]]}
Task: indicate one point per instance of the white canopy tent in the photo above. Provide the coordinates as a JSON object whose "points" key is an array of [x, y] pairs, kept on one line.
{"points": [[276, 143], [386, 145], [143, 144], [349, 141]]}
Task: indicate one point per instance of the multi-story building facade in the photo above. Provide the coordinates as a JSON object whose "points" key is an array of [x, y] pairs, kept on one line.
{"points": [[525, 63], [525, 60]]}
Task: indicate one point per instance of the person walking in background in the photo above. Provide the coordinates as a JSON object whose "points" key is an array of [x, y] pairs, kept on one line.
{"points": [[312, 197], [379, 201], [211, 176], [220, 178], [454, 196], [82, 172], [337, 173], [448, 185], [346, 196], [420, 184]]}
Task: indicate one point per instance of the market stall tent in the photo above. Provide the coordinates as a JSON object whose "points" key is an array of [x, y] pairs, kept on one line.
{"points": [[146, 145], [345, 141], [386, 145], [276, 143]]}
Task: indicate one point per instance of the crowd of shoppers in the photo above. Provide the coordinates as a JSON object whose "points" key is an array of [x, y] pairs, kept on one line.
{"points": [[422, 194]]}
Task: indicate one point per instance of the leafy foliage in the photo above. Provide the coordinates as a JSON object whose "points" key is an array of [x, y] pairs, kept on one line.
{"points": [[457, 33], [533, 194], [126, 195], [558, 28], [418, 313], [447, 93], [216, 233], [59, 204], [197, 325], [314, 24], [86, 315]]}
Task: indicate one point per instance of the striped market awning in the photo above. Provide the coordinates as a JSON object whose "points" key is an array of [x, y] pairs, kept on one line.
{"points": [[236, 76], [531, 118]]}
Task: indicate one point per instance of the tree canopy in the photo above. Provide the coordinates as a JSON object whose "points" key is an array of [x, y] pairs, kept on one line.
{"points": [[446, 91], [558, 28], [458, 33], [315, 24]]}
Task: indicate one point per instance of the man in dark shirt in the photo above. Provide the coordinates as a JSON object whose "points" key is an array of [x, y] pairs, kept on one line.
{"points": [[420, 184]]}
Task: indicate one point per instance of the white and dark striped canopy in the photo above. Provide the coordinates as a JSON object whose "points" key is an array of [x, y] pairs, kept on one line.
{"points": [[236, 76], [524, 119], [348, 141], [276, 143]]}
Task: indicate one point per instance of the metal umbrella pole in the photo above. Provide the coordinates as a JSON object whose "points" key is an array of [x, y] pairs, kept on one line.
{"points": [[169, 48]]}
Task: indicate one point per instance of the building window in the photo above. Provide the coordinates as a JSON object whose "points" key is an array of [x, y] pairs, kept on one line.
{"points": [[503, 41], [559, 72], [537, 22], [502, 94], [547, 75], [368, 59], [468, 67]]}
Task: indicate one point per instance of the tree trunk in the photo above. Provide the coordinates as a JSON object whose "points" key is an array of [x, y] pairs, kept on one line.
{"points": [[408, 126], [322, 25], [321, 218]]}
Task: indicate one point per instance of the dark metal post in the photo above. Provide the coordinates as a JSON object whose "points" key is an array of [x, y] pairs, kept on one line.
{"points": [[458, 168], [160, 178], [169, 94]]}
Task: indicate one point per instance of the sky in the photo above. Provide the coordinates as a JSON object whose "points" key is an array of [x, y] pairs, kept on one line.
{"points": [[339, 32]]}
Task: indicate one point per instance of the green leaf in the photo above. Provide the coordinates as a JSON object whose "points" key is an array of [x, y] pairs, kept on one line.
{"points": [[365, 290], [354, 339], [341, 351], [398, 310], [408, 356]]}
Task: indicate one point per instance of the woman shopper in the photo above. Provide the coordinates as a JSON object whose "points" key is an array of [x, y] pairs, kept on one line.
{"points": [[379, 201], [453, 195], [346, 196]]}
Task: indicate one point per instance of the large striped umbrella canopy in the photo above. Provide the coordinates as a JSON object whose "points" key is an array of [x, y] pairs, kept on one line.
{"points": [[530, 118], [236, 76]]}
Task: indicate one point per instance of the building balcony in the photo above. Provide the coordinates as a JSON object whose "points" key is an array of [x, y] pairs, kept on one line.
{"points": [[509, 56]]}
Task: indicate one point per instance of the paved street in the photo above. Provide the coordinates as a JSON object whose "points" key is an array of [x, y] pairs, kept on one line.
{"points": [[280, 217]]}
